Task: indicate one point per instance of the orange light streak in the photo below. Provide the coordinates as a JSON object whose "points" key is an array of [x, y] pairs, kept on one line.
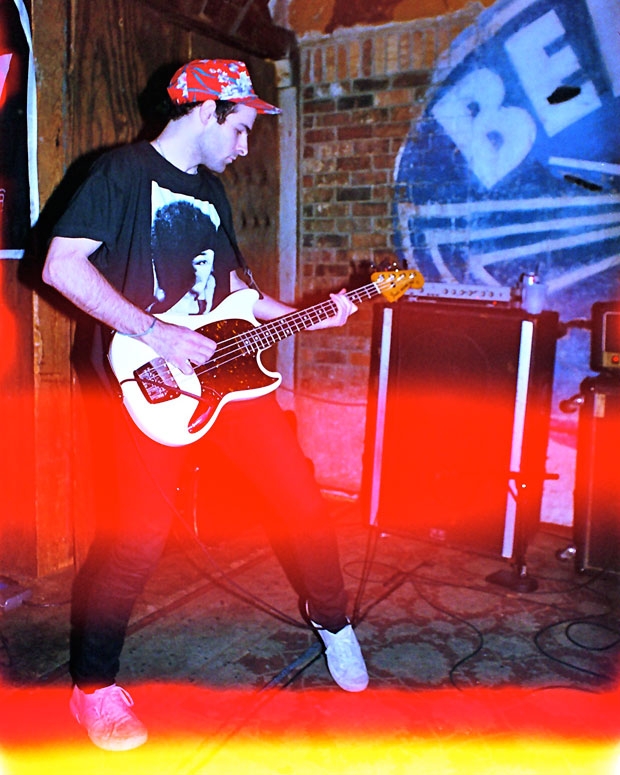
{"points": [[200, 730]]}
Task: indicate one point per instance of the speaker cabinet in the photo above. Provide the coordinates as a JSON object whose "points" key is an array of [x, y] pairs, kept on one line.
{"points": [[597, 478], [458, 422]]}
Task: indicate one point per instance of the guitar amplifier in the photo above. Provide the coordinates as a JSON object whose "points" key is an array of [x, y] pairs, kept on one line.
{"points": [[458, 421], [597, 482]]}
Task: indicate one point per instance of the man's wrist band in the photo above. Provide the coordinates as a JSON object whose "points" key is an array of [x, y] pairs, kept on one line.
{"points": [[142, 333]]}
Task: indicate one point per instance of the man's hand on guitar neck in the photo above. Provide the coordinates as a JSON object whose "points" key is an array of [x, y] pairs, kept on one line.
{"points": [[344, 309], [267, 308]]}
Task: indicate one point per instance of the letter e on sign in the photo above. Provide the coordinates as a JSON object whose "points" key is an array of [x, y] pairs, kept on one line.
{"points": [[541, 72]]}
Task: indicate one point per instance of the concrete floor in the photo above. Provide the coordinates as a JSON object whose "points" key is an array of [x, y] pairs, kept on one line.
{"points": [[466, 676]]}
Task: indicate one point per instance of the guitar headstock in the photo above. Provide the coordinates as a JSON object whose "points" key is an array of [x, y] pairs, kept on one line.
{"points": [[394, 282]]}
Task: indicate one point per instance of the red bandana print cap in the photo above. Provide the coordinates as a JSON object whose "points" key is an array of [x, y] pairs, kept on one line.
{"points": [[216, 79]]}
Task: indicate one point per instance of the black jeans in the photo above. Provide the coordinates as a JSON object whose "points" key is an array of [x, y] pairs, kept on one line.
{"points": [[134, 526]]}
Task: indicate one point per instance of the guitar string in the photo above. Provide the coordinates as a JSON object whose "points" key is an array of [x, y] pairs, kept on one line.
{"points": [[229, 349], [249, 342], [262, 336]]}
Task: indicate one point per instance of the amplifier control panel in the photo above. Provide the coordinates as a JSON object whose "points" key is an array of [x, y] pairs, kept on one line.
{"points": [[489, 294]]}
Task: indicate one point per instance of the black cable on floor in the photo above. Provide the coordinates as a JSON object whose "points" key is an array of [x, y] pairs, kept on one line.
{"points": [[457, 618], [413, 575], [567, 623], [224, 581], [298, 665], [598, 625]]}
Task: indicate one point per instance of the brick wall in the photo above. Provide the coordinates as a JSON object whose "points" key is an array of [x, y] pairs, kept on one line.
{"points": [[360, 90]]}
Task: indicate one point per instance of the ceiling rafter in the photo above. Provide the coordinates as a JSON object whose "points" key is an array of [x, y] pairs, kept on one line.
{"points": [[244, 24]]}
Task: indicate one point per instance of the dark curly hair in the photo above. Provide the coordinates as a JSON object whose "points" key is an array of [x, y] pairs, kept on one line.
{"points": [[223, 108]]}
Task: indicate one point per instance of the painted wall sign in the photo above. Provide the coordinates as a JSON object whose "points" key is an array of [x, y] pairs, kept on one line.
{"points": [[514, 167], [19, 200]]}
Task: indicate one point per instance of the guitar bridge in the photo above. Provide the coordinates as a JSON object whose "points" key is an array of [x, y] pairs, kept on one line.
{"points": [[156, 381]]}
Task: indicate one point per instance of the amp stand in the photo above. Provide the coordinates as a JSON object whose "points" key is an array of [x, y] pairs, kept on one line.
{"points": [[517, 578]]}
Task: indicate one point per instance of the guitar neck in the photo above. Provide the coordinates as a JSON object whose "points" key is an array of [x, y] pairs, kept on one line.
{"points": [[268, 334]]}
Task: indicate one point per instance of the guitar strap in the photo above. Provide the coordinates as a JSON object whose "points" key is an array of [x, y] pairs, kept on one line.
{"points": [[241, 260]]}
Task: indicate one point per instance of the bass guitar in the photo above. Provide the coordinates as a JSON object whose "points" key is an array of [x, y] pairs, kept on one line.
{"points": [[176, 409]]}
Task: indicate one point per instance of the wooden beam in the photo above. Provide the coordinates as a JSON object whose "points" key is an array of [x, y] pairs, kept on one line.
{"points": [[244, 24]]}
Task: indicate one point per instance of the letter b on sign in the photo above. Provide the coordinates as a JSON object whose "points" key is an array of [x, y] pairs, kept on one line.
{"points": [[493, 139]]}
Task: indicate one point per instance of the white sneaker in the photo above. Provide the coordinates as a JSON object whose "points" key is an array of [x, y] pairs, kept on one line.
{"points": [[107, 717], [344, 658]]}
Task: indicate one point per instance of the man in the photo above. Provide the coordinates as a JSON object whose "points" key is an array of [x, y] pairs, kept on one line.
{"points": [[104, 258]]}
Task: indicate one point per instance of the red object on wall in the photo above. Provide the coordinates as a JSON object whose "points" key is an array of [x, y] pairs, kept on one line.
{"points": [[15, 195]]}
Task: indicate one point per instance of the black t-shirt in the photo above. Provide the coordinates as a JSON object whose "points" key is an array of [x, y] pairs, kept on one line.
{"points": [[166, 235]]}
